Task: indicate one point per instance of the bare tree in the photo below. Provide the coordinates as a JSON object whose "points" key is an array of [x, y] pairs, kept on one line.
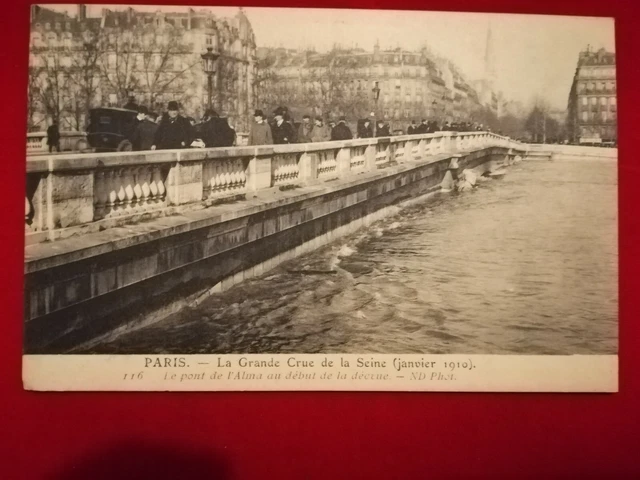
{"points": [[265, 82], [334, 86], [117, 60], [33, 104], [84, 79], [538, 121], [50, 84], [165, 64]]}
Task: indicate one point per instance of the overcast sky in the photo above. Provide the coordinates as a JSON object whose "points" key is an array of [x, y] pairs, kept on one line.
{"points": [[534, 54]]}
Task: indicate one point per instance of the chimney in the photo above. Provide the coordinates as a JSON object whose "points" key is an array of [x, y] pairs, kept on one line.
{"points": [[103, 20], [82, 12], [35, 10]]}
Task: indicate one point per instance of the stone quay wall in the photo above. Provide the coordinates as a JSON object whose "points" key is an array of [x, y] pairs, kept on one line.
{"points": [[115, 240]]}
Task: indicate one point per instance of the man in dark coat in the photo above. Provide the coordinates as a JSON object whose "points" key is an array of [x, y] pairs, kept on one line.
{"points": [[423, 127], [382, 130], [281, 131], [413, 128], [174, 130], [305, 130], [365, 129], [286, 115], [53, 137], [341, 131], [145, 131], [215, 131]]}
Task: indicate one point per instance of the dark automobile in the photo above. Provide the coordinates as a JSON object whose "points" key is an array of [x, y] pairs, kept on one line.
{"points": [[110, 129]]}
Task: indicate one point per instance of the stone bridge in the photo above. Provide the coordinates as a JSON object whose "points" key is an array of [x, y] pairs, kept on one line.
{"points": [[117, 240]]}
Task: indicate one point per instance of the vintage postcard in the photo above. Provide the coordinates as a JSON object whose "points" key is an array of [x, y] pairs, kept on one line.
{"points": [[228, 198]]}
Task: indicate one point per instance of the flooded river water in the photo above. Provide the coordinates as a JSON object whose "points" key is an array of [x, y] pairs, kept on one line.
{"points": [[525, 264]]}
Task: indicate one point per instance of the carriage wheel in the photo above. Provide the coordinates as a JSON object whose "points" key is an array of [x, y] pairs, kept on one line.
{"points": [[124, 146]]}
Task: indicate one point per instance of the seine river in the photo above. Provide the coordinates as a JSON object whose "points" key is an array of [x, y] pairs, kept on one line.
{"points": [[526, 264]]}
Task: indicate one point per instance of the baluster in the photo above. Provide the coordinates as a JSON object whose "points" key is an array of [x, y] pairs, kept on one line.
{"points": [[157, 184], [27, 211], [243, 175], [120, 193], [101, 195], [215, 177], [226, 180], [137, 188], [144, 180], [153, 189], [127, 182], [234, 174], [112, 195]]}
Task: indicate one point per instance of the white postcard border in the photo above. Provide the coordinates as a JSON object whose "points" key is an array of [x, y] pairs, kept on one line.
{"points": [[319, 372]]}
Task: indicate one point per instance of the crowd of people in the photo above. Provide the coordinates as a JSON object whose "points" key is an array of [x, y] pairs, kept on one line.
{"points": [[175, 131], [171, 130]]}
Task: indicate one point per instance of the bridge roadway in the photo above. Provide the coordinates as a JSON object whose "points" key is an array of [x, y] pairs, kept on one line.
{"points": [[118, 240]]}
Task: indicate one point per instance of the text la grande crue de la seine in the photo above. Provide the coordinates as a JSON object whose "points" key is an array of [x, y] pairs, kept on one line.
{"points": [[397, 363]]}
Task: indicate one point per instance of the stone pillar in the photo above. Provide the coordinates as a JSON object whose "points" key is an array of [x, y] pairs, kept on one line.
{"points": [[370, 158], [308, 165], [259, 171], [184, 183], [422, 148], [343, 157], [69, 199]]}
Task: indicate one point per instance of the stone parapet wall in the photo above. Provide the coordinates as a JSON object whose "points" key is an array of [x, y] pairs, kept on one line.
{"points": [[73, 194]]}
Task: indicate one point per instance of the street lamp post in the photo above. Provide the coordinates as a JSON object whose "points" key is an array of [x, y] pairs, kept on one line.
{"points": [[209, 66], [376, 96]]}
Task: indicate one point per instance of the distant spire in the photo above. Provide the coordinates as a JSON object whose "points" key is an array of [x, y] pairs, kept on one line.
{"points": [[489, 58]]}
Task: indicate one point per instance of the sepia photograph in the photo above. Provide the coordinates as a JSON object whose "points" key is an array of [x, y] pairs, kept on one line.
{"points": [[271, 188]]}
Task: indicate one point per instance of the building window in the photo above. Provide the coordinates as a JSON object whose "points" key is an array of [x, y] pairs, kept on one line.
{"points": [[603, 101], [592, 86], [585, 101], [593, 101], [581, 87]]}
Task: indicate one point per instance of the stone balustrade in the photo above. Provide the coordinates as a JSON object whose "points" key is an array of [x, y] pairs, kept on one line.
{"points": [[69, 141], [67, 194]]}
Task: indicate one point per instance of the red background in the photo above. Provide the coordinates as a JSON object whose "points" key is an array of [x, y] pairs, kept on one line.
{"points": [[320, 435]]}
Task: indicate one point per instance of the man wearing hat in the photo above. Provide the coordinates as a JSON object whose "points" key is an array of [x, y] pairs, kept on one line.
{"points": [[341, 131], [382, 129], [215, 131], [281, 131], [144, 133], [412, 129], [305, 130], [174, 130], [320, 132], [260, 133]]}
